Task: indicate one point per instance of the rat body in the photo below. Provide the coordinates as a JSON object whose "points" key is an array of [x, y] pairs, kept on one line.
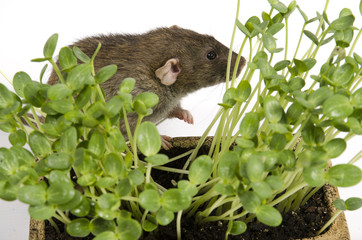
{"points": [[170, 62]]}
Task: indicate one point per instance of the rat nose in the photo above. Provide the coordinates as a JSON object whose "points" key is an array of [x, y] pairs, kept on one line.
{"points": [[241, 65]]}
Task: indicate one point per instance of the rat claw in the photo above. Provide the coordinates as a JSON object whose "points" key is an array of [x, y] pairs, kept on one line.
{"points": [[165, 142]]}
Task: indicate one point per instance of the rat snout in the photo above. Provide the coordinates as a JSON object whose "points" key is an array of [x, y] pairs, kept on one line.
{"points": [[241, 64]]}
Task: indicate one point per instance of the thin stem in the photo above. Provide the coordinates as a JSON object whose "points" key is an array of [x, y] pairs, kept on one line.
{"points": [[178, 225], [329, 222], [57, 70], [6, 77], [231, 47]]}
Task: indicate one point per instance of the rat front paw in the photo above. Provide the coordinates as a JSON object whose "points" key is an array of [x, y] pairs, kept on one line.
{"points": [[165, 142], [183, 114]]}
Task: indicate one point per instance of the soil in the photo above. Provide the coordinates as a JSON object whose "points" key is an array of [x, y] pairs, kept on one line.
{"points": [[302, 223]]}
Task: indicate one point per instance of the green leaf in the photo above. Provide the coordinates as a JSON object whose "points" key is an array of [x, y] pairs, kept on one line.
{"points": [[128, 229], [123, 188], [116, 140], [279, 6], [79, 76], [224, 189], [157, 159], [100, 225], [127, 85], [50, 46], [109, 235], [105, 73], [148, 139], [73, 203], [60, 193], [337, 106], [272, 109], [339, 204], [41, 212], [79, 227], [164, 217], [357, 98], [68, 140], [343, 23], [148, 99], [281, 65], [278, 142], [228, 99], [20, 80], [250, 200], [360, 7], [275, 182], [59, 91], [136, 176], [81, 55], [227, 165], [275, 28], [114, 165], [61, 106], [255, 168], [296, 83], [18, 138], [242, 28], [175, 200], [150, 200], [32, 194], [317, 97], [236, 227], [269, 216], [287, 159], [32, 94], [269, 42], [314, 176], [311, 36], [39, 144], [96, 144], [150, 224], [114, 106], [303, 14], [243, 91], [353, 203], [344, 175], [249, 125], [109, 201], [200, 170], [67, 58], [343, 75], [187, 187], [263, 189], [59, 161], [335, 147], [82, 209], [83, 97]]}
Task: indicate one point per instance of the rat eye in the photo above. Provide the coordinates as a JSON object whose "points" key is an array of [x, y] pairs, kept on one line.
{"points": [[211, 55]]}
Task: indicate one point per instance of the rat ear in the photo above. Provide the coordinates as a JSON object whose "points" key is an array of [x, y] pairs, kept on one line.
{"points": [[168, 73], [175, 27]]}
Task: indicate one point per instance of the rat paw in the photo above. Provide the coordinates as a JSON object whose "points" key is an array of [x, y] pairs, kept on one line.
{"points": [[183, 114], [165, 142]]}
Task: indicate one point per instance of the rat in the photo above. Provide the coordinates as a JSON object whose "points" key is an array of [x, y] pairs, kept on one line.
{"points": [[170, 62]]}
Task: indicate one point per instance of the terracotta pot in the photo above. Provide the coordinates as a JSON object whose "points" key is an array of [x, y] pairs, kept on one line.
{"points": [[338, 230]]}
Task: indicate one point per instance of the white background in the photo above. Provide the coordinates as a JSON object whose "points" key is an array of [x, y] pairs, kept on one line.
{"points": [[26, 25]]}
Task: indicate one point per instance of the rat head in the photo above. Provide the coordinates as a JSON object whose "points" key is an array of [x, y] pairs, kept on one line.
{"points": [[194, 60]]}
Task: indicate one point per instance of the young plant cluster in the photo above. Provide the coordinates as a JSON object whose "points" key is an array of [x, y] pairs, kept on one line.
{"points": [[80, 170]]}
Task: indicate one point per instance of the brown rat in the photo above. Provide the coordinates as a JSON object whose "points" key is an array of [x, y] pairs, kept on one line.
{"points": [[170, 62]]}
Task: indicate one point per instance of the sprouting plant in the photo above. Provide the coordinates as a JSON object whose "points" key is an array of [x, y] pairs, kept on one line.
{"points": [[279, 127]]}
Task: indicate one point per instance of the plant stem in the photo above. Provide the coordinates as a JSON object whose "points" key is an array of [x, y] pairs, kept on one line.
{"points": [[57, 70], [231, 46], [357, 157], [178, 225], [6, 77], [330, 221]]}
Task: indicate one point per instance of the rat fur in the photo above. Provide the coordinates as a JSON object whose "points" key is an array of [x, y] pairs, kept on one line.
{"points": [[170, 62]]}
